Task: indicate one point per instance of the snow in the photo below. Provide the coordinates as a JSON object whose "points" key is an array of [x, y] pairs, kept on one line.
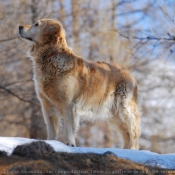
{"points": [[140, 156]]}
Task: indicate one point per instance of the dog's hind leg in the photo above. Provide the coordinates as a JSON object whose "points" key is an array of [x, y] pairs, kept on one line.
{"points": [[130, 127], [129, 116], [121, 127]]}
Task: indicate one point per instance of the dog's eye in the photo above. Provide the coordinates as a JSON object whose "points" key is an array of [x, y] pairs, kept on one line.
{"points": [[37, 24]]}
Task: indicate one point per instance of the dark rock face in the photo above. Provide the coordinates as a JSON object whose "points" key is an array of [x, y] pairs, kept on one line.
{"points": [[40, 158], [3, 153], [33, 149]]}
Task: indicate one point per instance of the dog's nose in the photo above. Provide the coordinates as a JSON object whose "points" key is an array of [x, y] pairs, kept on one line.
{"points": [[20, 28]]}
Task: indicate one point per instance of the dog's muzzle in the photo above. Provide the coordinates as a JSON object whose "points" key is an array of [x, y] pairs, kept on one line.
{"points": [[22, 35]]}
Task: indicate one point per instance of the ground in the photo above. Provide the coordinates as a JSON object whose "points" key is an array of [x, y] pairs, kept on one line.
{"points": [[29, 156]]}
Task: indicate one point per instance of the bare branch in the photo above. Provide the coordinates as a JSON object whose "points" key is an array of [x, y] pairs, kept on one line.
{"points": [[9, 39], [170, 38], [17, 82], [158, 138], [167, 14], [17, 96]]}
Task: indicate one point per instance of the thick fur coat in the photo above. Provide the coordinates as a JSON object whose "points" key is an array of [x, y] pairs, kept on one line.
{"points": [[71, 87]]}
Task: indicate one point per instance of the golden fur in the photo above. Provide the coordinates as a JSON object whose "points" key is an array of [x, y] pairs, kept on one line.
{"points": [[73, 88]]}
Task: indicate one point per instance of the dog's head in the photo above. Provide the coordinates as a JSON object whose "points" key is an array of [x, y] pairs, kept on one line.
{"points": [[44, 31]]}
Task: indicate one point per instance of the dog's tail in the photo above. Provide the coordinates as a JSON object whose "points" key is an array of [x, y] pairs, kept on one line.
{"points": [[138, 99]]}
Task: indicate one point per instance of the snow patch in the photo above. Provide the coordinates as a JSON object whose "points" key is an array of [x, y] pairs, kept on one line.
{"points": [[140, 156]]}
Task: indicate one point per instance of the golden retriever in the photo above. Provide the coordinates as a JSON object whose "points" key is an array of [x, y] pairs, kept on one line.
{"points": [[71, 87]]}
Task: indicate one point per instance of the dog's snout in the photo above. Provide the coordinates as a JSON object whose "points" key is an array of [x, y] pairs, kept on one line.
{"points": [[20, 28]]}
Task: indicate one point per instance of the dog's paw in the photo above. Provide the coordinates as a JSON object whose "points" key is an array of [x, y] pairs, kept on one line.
{"points": [[72, 145]]}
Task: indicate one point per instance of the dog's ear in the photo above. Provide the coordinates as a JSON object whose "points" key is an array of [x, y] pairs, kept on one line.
{"points": [[51, 33]]}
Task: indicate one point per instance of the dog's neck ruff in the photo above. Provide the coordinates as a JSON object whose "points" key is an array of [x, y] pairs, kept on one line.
{"points": [[52, 54], [54, 62]]}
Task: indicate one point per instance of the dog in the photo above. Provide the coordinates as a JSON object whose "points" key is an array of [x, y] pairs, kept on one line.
{"points": [[73, 88]]}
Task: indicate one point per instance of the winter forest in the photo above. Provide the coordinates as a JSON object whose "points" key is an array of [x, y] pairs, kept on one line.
{"points": [[137, 34]]}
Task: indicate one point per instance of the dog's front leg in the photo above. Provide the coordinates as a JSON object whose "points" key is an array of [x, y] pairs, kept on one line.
{"points": [[50, 118], [70, 126]]}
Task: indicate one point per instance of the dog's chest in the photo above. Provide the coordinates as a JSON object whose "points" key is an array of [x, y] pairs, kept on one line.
{"points": [[47, 85]]}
